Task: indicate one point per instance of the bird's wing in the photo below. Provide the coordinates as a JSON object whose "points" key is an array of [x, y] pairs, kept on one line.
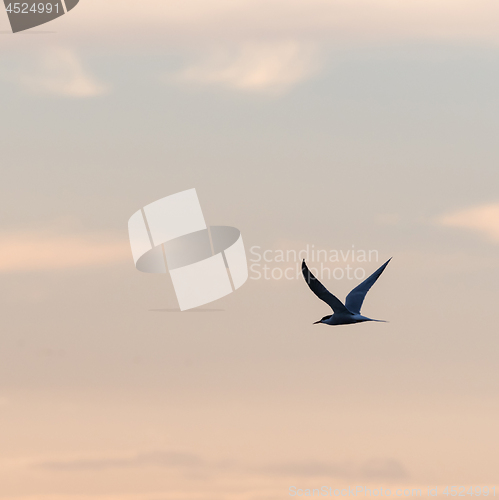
{"points": [[356, 297], [321, 291]]}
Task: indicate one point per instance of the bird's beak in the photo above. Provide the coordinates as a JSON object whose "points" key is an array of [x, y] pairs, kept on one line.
{"points": [[317, 322]]}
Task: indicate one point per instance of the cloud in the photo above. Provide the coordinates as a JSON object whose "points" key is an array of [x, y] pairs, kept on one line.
{"points": [[187, 22], [383, 469], [58, 71], [255, 67], [375, 469], [483, 219], [43, 251], [158, 459]]}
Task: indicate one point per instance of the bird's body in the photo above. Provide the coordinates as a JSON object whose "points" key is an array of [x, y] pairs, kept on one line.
{"points": [[344, 319], [348, 313]]}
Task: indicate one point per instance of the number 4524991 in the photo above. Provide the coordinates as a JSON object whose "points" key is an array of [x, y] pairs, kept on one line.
{"points": [[477, 491], [40, 8]]}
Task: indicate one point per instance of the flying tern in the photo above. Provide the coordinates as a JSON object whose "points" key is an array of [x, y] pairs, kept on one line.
{"points": [[343, 314]]}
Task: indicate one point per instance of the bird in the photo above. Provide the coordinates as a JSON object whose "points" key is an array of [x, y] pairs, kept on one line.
{"points": [[348, 313]]}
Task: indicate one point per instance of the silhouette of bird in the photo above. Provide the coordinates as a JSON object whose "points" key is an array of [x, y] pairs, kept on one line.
{"points": [[348, 313]]}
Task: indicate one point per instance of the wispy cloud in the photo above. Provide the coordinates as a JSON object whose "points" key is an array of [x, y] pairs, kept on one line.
{"points": [[483, 219], [374, 469], [58, 71], [255, 67], [347, 21], [41, 251], [187, 476]]}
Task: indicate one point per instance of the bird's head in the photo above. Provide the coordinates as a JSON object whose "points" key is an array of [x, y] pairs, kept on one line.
{"points": [[323, 320]]}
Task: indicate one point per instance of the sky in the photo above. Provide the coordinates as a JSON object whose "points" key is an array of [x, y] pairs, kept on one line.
{"points": [[336, 125]]}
